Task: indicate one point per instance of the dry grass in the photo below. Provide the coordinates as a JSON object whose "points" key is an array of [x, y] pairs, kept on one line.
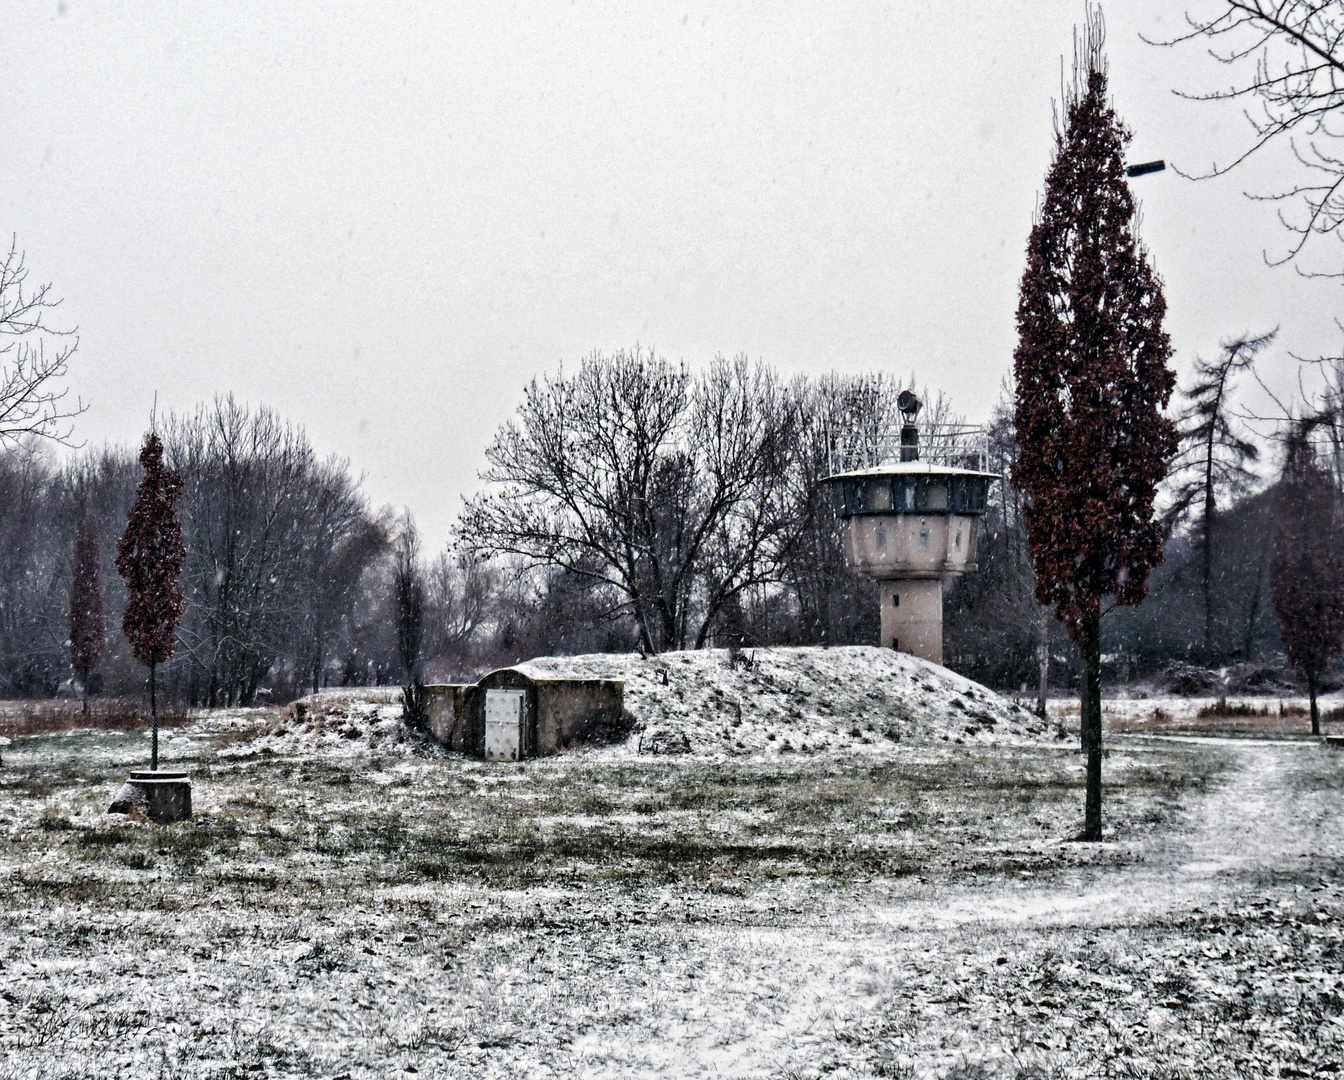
{"points": [[19, 718], [1252, 723], [1236, 717]]}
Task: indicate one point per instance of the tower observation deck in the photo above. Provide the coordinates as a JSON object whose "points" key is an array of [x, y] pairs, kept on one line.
{"points": [[911, 503]]}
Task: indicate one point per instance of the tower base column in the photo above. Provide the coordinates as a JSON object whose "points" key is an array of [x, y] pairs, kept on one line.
{"points": [[912, 618]]}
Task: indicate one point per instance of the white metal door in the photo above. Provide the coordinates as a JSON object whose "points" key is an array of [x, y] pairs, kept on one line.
{"points": [[503, 724]]}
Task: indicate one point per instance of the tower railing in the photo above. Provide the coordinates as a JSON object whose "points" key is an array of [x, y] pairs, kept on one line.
{"points": [[960, 446]]}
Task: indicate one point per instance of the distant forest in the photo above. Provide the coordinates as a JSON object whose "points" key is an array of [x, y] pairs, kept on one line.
{"points": [[631, 504]]}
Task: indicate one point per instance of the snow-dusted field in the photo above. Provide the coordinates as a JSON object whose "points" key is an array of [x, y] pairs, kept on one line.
{"points": [[1261, 716], [362, 905]]}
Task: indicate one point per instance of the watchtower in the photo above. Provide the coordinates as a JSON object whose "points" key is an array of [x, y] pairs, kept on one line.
{"points": [[911, 512]]}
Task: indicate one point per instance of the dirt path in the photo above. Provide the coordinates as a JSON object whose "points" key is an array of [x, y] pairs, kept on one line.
{"points": [[1066, 970], [1259, 821]]}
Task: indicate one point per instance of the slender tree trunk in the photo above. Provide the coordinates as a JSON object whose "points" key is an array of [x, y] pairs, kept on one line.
{"points": [[1091, 725], [1206, 574], [154, 721], [642, 622], [1083, 713], [1248, 638], [1043, 659], [1315, 709]]}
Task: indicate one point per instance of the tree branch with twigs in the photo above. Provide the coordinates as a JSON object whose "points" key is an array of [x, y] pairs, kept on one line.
{"points": [[34, 358], [1289, 62]]}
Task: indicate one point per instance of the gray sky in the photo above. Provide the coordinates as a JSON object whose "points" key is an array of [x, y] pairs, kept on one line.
{"points": [[384, 218]]}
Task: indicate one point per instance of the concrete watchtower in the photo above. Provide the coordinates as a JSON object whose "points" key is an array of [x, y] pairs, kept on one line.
{"points": [[911, 521]]}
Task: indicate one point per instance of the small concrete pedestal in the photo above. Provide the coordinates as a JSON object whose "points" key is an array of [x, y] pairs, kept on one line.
{"points": [[162, 797]]}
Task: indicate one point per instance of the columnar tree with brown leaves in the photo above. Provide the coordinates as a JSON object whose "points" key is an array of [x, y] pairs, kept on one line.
{"points": [[1307, 572], [1091, 381], [88, 626], [150, 557]]}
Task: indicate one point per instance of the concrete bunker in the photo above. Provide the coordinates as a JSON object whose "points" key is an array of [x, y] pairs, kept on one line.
{"points": [[516, 713]]}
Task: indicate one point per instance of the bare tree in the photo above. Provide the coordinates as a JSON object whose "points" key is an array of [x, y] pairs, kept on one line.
{"points": [[1289, 60], [347, 545], [33, 358], [267, 526], [1215, 454], [1326, 415], [88, 626], [408, 596], [665, 488], [1002, 635], [839, 417], [460, 589], [1307, 574], [32, 551]]}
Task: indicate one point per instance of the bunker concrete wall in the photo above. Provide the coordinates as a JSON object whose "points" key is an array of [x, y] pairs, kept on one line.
{"points": [[450, 710], [574, 711], [558, 713]]}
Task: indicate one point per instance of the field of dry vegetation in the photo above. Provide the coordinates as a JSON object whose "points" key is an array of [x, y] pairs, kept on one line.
{"points": [[918, 911]]}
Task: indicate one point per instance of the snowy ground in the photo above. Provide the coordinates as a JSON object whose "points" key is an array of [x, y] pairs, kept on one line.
{"points": [[363, 906], [1267, 716]]}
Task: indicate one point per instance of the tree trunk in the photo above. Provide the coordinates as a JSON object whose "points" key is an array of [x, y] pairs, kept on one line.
{"points": [[154, 722], [1206, 569], [1043, 658], [1315, 709], [1248, 638], [642, 624], [1083, 713], [1091, 729]]}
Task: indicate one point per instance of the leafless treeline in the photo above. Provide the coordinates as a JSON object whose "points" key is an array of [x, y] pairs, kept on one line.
{"points": [[686, 507], [635, 504], [280, 544]]}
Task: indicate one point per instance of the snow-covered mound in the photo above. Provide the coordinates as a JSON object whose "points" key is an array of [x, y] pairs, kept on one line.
{"points": [[795, 700], [848, 699], [342, 722]]}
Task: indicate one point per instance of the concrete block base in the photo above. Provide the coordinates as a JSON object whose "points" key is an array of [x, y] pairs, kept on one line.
{"points": [[161, 797]]}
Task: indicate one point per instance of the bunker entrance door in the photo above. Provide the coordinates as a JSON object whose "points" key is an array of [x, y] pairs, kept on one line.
{"points": [[503, 724]]}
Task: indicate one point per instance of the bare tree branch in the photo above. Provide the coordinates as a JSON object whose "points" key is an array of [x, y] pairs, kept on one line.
{"points": [[33, 359], [1289, 59]]}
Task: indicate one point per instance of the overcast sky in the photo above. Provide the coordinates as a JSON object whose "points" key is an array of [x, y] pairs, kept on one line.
{"points": [[383, 219]]}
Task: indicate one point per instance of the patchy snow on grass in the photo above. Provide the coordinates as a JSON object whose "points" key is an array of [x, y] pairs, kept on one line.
{"points": [[345, 723], [1260, 715], [349, 912]]}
